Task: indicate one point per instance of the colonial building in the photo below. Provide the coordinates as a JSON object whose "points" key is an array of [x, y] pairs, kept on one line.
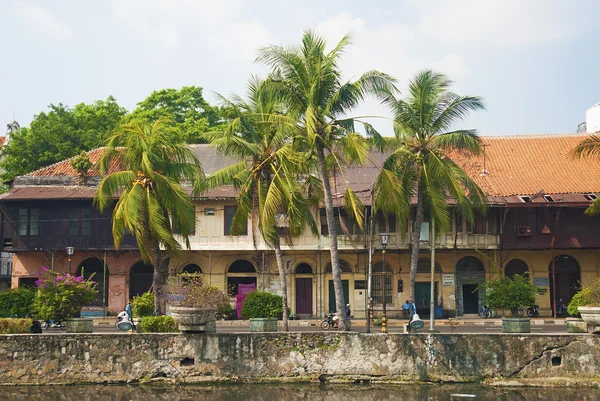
{"points": [[537, 194]]}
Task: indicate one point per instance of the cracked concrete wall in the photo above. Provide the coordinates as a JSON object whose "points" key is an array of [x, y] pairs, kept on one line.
{"points": [[29, 359]]}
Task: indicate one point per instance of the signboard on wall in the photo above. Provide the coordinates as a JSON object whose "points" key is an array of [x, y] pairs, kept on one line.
{"points": [[448, 280], [541, 281]]}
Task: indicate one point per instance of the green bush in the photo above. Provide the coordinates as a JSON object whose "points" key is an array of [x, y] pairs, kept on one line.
{"points": [[225, 311], [582, 298], [262, 304], [508, 294], [16, 302], [157, 324], [143, 305], [15, 326]]}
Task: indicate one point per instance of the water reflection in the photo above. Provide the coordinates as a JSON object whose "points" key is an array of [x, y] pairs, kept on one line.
{"points": [[291, 393]]}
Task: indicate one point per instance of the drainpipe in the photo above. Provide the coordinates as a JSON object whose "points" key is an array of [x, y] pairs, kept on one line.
{"points": [[369, 279], [52, 262], [321, 281], [263, 271], [553, 300], [210, 268], [104, 300], [432, 296]]}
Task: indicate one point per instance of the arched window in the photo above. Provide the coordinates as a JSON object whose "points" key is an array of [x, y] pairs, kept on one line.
{"points": [[470, 264], [241, 266], [344, 267], [140, 279], [303, 268], [94, 268], [192, 269], [515, 266], [424, 266], [382, 278]]}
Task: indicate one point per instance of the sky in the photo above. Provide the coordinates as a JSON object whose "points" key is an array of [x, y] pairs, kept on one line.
{"points": [[535, 63]]}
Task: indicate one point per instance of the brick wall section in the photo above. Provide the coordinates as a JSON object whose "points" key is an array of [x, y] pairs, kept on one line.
{"points": [[102, 358]]}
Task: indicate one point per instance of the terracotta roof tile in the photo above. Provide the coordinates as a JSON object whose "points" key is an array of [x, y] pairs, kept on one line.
{"points": [[64, 168], [2, 141]]}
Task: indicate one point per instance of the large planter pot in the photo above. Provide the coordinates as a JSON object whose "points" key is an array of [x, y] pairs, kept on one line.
{"points": [[591, 316], [516, 325], [262, 324], [80, 325], [575, 325], [194, 319]]}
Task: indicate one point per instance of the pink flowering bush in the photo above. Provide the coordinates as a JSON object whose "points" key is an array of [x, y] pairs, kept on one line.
{"points": [[61, 296]]}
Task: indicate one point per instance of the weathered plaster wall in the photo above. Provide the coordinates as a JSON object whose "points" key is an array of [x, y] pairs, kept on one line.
{"points": [[29, 359]]}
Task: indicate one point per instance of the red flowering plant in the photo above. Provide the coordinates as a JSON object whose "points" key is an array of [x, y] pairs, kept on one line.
{"points": [[61, 296]]}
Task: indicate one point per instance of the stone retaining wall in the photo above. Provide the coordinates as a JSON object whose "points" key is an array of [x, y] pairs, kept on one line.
{"points": [[98, 358]]}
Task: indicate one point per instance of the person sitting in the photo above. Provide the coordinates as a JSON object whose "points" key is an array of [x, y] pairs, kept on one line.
{"points": [[406, 307]]}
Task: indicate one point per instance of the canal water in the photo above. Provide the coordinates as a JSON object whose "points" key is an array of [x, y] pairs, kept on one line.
{"points": [[245, 392]]}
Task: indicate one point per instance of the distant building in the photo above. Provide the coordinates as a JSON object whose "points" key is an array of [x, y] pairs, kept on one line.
{"points": [[6, 257], [592, 120]]}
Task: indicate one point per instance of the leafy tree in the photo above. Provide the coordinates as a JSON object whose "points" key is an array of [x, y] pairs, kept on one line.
{"points": [[589, 148], [421, 166], [59, 134], [150, 192], [186, 109], [266, 174], [510, 293], [309, 82]]}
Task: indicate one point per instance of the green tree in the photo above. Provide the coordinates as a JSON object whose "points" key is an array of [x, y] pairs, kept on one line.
{"points": [[309, 82], [589, 148], [266, 174], [421, 167], [59, 134], [188, 113], [152, 203]]}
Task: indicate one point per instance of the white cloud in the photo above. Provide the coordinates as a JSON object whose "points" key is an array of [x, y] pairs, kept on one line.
{"points": [[42, 20], [499, 23]]}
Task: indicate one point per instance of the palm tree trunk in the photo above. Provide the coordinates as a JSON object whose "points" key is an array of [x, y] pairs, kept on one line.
{"points": [[283, 280], [158, 281], [416, 243], [333, 246]]}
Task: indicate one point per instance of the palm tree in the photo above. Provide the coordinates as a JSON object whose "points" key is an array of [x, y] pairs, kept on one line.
{"points": [[152, 201], [266, 174], [421, 166], [589, 147], [309, 82]]}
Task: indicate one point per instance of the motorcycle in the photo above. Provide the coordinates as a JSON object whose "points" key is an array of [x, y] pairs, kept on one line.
{"points": [[533, 311], [331, 321], [561, 309], [46, 324]]}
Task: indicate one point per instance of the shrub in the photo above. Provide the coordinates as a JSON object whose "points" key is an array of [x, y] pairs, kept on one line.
{"points": [[508, 294], [191, 292], [262, 304], [62, 296], [16, 302], [143, 305], [15, 326], [157, 324], [225, 311], [582, 298]]}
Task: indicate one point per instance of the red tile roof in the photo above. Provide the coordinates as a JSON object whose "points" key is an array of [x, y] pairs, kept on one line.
{"points": [[2, 141], [64, 168]]}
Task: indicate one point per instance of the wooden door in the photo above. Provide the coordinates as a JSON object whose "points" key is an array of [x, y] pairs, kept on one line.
{"points": [[304, 296]]}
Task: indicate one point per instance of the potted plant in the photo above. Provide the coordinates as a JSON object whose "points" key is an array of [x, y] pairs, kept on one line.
{"points": [[193, 305], [263, 309], [587, 302], [575, 323], [510, 294], [61, 297]]}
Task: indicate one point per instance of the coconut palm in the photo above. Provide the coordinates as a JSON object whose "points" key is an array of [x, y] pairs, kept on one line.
{"points": [[266, 175], [152, 202], [421, 167], [309, 82], [589, 147]]}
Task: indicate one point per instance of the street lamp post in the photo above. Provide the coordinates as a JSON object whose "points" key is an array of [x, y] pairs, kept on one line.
{"points": [[70, 252], [383, 238]]}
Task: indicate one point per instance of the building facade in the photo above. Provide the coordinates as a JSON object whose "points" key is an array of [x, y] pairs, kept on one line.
{"points": [[537, 194]]}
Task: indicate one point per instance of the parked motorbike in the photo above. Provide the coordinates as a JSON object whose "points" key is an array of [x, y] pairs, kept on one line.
{"points": [[52, 324], [561, 309], [533, 311]]}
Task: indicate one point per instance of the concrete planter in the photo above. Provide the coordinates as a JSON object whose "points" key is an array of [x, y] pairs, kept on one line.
{"points": [[194, 319], [80, 325], [591, 316], [263, 324], [516, 325], [575, 325]]}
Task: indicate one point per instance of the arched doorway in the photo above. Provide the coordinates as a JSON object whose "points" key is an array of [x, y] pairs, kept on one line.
{"points": [[568, 276], [241, 279], [381, 277], [140, 279], [423, 288], [470, 273], [515, 266], [94, 268], [345, 268], [192, 269], [304, 289]]}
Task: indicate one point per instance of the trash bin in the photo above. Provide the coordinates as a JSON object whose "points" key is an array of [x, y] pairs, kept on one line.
{"points": [[439, 312]]}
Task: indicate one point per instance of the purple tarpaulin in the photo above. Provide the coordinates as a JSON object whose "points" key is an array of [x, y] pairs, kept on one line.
{"points": [[243, 290]]}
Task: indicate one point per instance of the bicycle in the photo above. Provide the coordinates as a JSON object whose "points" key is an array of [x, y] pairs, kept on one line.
{"points": [[485, 312]]}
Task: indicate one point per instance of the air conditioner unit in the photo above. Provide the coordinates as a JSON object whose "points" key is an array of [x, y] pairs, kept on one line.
{"points": [[524, 231]]}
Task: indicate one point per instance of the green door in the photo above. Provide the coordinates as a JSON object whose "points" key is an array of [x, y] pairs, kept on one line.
{"points": [[423, 297], [332, 295]]}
